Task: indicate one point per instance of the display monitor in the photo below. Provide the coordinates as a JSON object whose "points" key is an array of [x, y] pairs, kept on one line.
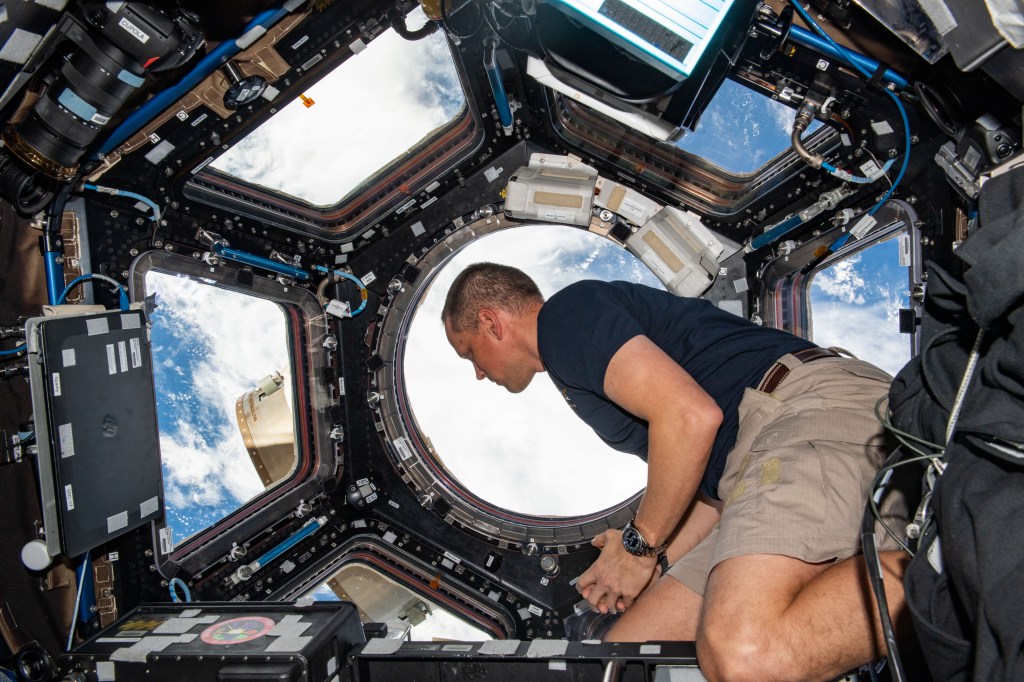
{"points": [[670, 35]]}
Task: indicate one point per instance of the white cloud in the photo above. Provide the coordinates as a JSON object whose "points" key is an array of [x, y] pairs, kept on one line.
{"points": [[864, 331], [842, 281], [192, 460]]}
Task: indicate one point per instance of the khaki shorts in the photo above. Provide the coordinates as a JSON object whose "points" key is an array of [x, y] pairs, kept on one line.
{"points": [[797, 480]]}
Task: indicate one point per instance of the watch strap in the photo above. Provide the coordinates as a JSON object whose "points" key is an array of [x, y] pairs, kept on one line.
{"points": [[647, 549]]}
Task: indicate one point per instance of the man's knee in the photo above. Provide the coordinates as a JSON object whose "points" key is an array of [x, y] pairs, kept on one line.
{"points": [[730, 649]]}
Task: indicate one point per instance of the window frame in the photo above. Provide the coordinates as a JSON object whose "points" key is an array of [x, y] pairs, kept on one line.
{"points": [[397, 183], [785, 297], [436, 489], [410, 572], [684, 177], [318, 455]]}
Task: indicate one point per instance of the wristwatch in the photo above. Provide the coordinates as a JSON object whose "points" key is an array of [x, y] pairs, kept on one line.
{"points": [[635, 544]]}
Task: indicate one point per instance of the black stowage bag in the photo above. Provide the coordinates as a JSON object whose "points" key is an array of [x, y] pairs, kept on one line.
{"points": [[965, 586]]}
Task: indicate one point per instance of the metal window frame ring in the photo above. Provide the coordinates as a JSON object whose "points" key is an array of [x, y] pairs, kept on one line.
{"points": [[420, 467]]}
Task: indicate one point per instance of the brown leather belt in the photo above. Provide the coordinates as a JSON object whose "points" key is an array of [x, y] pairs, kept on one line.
{"points": [[778, 373]]}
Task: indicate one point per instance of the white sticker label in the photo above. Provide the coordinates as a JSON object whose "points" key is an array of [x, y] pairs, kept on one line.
{"points": [[117, 522], [368, 278], [137, 32], [390, 537], [150, 506], [453, 557], [869, 168], [56, 384], [113, 556], [111, 359], [300, 42], [69, 497], [182, 115], [166, 541], [904, 245], [631, 209], [862, 226], [68, 355], [122, 351], [403, 448], [881, 127], [67, 441], [136, 348], [535, 610], [96, 326]]}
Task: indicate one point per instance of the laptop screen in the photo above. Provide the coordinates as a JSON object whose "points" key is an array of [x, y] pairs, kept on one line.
{"points": [[671, 35]]}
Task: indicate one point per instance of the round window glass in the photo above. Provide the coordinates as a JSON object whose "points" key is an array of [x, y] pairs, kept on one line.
{"points": [[527, 453]]}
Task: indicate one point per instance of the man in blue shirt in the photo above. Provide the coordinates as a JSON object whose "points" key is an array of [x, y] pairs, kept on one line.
{"points": [[760, 448]]}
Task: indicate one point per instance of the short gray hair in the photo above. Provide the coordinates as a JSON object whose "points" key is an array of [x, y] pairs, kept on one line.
{"points": [[488, 285]]}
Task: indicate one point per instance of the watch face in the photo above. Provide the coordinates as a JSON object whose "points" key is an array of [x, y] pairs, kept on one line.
{"points": [[633, 541]]}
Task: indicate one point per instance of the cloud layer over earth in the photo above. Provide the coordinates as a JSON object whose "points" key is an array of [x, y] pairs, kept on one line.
{"points": [[528, 452], [855, 305]]}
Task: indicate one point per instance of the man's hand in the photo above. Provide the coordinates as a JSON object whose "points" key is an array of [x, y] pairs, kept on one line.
{"points": [[615, 580]]}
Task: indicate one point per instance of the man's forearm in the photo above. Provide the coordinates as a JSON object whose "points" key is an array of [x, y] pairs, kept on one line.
{"points": [[673, 475]]}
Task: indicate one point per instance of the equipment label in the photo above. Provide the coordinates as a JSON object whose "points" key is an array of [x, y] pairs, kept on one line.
{"points": [[69, 497], [139, 34], [111, 359], [56, 384], [122, 351], [136, 353], [862, 226], [166, 541], [67, 440]]}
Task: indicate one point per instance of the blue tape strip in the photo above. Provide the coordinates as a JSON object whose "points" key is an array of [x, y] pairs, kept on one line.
{"points": [[130, 78], [76, 105]]}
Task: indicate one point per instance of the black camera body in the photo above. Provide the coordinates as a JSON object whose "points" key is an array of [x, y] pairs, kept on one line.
{"points": [[110, 48]]}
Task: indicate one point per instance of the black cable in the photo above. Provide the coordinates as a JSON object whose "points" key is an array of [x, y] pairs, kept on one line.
{"points": [[874, 565]]}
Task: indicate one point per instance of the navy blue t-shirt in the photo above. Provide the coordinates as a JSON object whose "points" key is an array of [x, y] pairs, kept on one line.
{"points": [[582, 326]]}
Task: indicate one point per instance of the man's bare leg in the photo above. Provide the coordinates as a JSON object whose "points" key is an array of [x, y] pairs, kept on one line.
{"points": [[668, 610], [771, 617]]}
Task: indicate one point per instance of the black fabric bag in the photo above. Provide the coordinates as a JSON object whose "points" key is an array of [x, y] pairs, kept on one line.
{"points": [[965, 586]]}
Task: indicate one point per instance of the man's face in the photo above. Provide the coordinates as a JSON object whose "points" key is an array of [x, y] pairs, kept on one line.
{"points": [[493, 354]]}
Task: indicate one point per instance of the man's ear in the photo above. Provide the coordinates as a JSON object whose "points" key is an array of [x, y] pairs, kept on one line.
{"points": [[491, 322]]}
